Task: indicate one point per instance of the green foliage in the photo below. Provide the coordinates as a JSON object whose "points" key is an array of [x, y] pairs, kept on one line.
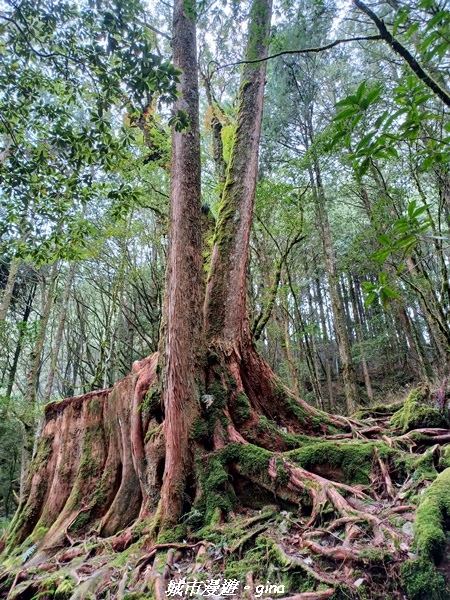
{"points": [[356, 109], [404, 234], [180, 121], [381, 291], [66, 74]]}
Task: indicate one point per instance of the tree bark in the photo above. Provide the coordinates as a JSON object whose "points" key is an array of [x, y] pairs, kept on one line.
{"points": [[182, 313], [348, 369], [225, 305], [326, 344], [18, 350], [360, 338]]}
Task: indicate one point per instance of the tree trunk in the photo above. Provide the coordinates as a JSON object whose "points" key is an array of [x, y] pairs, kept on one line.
{"points": [[59, 333], [294, 380], [342, 334], [182, 313], [9, 288], [348, 369], [18, 350], [226, 317], [360, 338], [29, 423], [326, 345]]}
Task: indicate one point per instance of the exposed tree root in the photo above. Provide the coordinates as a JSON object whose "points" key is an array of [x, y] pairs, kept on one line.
{"points": [[315, 498]]}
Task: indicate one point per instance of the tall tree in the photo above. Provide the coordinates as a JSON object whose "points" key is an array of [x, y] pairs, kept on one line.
{"points": [[193, 426], [182, 317]]}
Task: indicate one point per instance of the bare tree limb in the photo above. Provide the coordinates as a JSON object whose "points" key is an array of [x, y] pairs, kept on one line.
{"points": [[315, 50], [387, 36]]}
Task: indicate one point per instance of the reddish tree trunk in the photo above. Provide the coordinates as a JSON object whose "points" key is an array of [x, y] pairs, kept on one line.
{"points": [[182, 316]]}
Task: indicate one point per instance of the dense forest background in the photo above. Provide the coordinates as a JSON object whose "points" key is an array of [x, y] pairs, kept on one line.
{"points": [[348, 282]]}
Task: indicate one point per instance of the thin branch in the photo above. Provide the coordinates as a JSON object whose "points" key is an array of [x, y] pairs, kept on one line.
{"points": [[264, 316], [302, 51], [37, 52], [404, 53], [158, 32]]}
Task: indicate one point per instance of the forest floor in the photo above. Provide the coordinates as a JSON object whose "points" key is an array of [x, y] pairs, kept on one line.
{"points": [[356, 515]]}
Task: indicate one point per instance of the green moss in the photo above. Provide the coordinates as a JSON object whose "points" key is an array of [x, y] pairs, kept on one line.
{"points": [[378, 410], [429, 526], [58, 586], [200, 429], [314, 423], [216, 493], [38, 533], [270, 429], [215, 400], [44, 451], [243, 408], [219, 394], [282, 475], [419, 467], [176, 534], [151, 401], [353, 459], [416, 413], [227, 133], [253, 460], [152, 433], [81, 521], [421, 581], [65, 589], [90, 464], [444, 462], [267, 563], [131, 553], [257, 560]]}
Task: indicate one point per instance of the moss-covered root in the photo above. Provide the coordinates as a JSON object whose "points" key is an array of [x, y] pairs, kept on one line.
{"points": [[429, 526], [417, 412]]}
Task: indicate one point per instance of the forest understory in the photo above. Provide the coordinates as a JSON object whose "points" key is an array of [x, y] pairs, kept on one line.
{"points": [[317, 505]]}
